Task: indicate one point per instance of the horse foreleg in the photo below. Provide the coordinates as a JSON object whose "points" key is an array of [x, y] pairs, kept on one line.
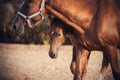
{"points": [[86, 56], [105, 64], [82, 56], [73, 63], [112, 51]]}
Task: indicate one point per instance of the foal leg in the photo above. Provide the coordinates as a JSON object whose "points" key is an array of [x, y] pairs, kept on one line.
{"points": [[82, 57], [105, 64], [73, 63], [114, 62]]}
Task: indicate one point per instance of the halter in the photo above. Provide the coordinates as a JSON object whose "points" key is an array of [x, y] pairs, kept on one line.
{"points": [[27, 18]]}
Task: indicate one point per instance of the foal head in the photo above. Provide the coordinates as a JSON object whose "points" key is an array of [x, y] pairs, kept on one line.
{"points": [[30, 13], [57, 36]]}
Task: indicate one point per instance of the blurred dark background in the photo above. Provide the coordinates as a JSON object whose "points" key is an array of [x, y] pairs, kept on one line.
{"points": [[37, 35]]}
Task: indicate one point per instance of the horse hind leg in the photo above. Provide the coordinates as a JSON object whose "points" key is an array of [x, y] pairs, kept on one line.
{"points": [[105, 64], [73, 63], [112, 52]]}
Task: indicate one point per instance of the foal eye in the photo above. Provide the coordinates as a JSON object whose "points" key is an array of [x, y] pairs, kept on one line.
{"points": [[58, 34]]}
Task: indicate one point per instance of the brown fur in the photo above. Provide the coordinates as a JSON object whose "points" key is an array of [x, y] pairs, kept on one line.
{"points": [[96, 24]]}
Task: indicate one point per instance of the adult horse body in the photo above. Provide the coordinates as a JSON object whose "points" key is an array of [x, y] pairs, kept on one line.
{"points": [[58, 32], [97, 24]]}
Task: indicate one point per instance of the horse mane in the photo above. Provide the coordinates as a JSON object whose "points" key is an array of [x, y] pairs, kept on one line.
{"points": [[66, 28], [5, 1], [117, 2]]}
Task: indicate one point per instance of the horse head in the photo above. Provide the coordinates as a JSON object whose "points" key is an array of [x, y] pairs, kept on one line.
{"points": [[57, 38], [29, 15], [33, 11]]}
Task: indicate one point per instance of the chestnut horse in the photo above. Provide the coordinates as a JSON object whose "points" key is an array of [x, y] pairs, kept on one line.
{"points": [[58, 32], [97, 25]]}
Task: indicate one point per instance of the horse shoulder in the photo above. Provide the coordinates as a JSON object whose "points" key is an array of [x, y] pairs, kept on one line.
{"points": [[108, 25]]}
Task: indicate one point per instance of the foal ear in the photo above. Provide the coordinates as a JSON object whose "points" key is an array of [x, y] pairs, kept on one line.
{"points": [[51, 17], [67, 35], [54, 19], [50, 20]]}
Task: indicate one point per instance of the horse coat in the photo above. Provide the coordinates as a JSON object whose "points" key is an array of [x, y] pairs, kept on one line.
{"points": [[97, 24]]}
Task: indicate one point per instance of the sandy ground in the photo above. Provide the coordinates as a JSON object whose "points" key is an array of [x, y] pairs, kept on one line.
{"points": [[32, 62]]}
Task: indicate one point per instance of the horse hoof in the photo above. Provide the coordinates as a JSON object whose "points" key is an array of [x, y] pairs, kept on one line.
{"points": [[100, 77]]}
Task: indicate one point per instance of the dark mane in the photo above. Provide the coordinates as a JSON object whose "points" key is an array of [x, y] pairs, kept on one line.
{"points": [[67, 29], [4, 1]]}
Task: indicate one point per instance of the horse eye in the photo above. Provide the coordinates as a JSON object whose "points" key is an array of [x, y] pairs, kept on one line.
{"points": [[58, 34], [27, 7]]}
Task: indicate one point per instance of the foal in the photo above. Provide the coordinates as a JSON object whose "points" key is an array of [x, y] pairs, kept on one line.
{"points": [[58, 32]]}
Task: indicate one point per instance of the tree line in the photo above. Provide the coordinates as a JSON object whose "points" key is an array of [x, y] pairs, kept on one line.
{"points": [[37, 35]]}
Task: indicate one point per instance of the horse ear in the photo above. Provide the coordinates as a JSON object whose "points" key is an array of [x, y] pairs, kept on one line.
{"points": [[51, 19], [67, 35], [51, 16]]}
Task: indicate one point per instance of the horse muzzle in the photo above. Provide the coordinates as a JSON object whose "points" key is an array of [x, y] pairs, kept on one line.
{"points": [[53, 55], [18, 29]]}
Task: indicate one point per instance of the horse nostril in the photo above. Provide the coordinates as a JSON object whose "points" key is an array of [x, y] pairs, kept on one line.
{"points": [[52, 55], [14, 27]]}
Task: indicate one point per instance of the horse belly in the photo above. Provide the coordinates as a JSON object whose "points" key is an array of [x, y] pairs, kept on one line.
{"points": [[110, 37]]}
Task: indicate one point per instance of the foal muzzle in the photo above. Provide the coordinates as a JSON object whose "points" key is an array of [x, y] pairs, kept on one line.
{"points": [[53, 55]]}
